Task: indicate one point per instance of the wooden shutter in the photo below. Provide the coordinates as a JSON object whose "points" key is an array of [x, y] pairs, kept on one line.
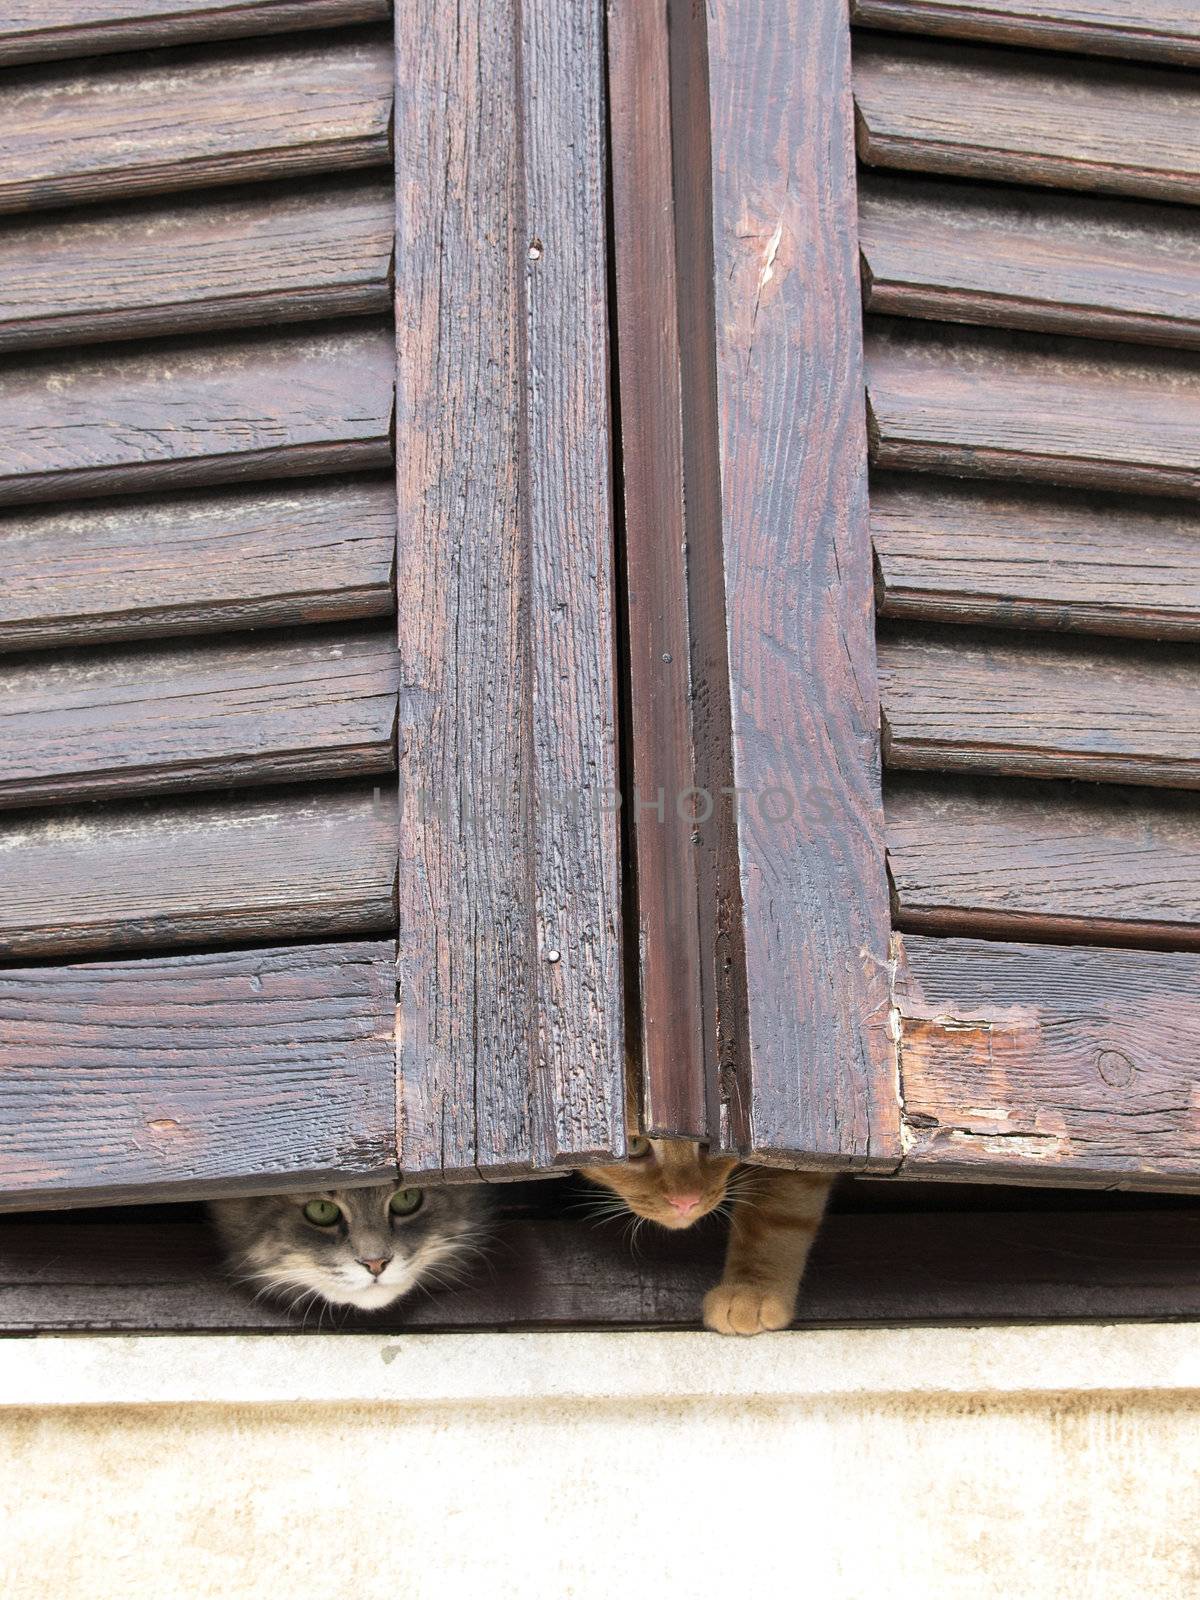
{"points": [[773, 682], [206, 876], [952, 549]]}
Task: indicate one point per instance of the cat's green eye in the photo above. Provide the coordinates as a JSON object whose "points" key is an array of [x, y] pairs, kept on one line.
{"points": [[405, 1201], [323, 1213], [637, 1147]]}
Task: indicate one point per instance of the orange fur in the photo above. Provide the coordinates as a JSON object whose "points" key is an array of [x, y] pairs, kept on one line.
{"points": [[775, 1215]]}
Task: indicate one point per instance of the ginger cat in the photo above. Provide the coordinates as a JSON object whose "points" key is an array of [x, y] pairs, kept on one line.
{"points": [[774, 1217]]}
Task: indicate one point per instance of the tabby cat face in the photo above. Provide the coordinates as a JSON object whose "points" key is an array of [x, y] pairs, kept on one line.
{"points": [[673, 1182], [351, 1247]]}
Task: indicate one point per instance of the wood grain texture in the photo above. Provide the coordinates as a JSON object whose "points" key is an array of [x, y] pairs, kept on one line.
{"points": [[1093, 864], [511, 1051], [1020, 117], [293, 863], [658, 514], [196, 411], [1154, 30], [1019, 557], [1102, 269], [199, 715], [1111, 712], [185, 119], [818, 1081], [106, 1272], [1012, 405], [46, 30], [1050, 1064], [244, 558], [242, 258], [186, 1074]]}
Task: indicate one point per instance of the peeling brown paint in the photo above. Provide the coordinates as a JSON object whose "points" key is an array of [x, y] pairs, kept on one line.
{"points": [[1073, 1063]]}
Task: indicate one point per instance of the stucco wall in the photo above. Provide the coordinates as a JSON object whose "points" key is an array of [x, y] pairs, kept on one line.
{"points": [[963, 1463]]}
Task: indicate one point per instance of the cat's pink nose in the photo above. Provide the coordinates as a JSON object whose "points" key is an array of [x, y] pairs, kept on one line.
{"points": [[683, 1203], [374, 1267]]}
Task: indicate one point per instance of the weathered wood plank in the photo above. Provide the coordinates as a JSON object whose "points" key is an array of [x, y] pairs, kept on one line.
{"points": [[511, 1052], [193, 411], [186, 1074], [202, 714], [1154, 30], [811, 1076], [193, 117], [243, 558], [293, 863], [45, 30], [1063, 862], [1103, 269], [242, 258], [576, 902], [119, 1273], [993, 404], [1027, 118], [1112, 712], [1050, 1064], [1031, 558], [676, 1065]]}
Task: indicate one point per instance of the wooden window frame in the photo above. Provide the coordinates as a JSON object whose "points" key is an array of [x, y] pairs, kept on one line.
{"points": [[963, 1260]]}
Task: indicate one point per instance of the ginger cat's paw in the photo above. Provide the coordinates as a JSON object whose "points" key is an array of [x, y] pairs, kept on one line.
{"points": [[743, 1308]]}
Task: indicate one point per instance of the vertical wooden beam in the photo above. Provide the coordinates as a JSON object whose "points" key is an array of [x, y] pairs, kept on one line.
{"points": [[511, 1038], [660, 808], [808, 1070]]}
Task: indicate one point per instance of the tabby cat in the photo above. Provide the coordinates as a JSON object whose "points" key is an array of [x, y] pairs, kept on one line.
{"points": [[352, 1247], [774, 1217]]}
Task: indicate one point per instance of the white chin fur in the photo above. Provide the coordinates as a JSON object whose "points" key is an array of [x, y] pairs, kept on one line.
{"points": [[370, 1298]]}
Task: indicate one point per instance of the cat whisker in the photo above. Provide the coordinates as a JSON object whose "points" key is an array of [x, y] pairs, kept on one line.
{"points": [[739, 1184], [295, 1300], [442, 1280], [604, 1208], [630, 1233], [307, 1301], [273, 1283], [475, 1252]]}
